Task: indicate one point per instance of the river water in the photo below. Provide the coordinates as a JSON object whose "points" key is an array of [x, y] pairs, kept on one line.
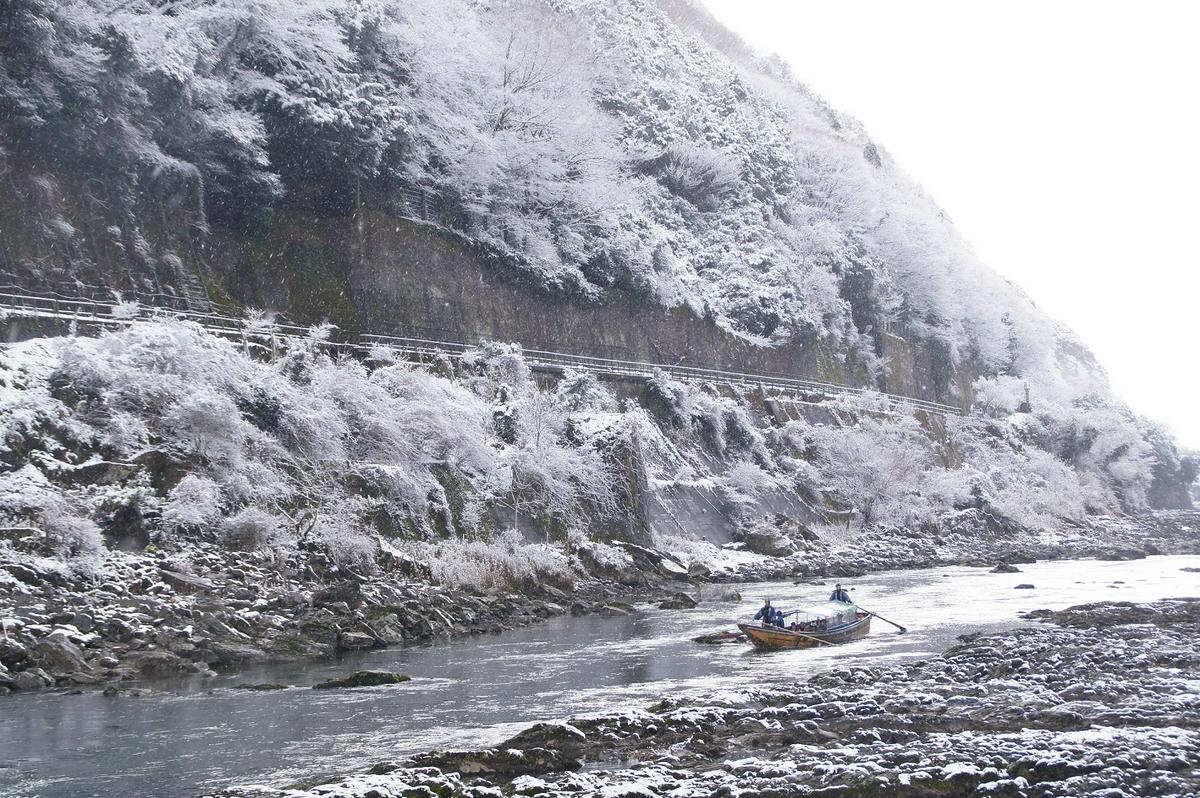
{"points": [[189, 736]]}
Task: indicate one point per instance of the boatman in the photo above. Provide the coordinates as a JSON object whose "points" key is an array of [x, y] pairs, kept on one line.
{"points": [[839, 594], [769, 615]]}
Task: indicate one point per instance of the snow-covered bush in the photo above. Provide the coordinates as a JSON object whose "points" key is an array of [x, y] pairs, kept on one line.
{"points": [[253, 528], [29, 499], [194, 503], [334, 453], [877, 466], [503, 562], [701, 175]]}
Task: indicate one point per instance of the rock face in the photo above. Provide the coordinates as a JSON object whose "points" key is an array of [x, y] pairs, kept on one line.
{"points": [[1100, 704]]}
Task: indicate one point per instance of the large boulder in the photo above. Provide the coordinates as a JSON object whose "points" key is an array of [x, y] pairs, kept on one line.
{"points": [[356, 641], [12, 652], [185, 583], [678, 601], [623, 571], [768, 542], [31, 679], [157, 662], [655, 560], [348, 593], [556, 736], [503, 763], [23, 574], [363, 679], [221, 652], [1121, 555], [58, 654], [290, 644]]}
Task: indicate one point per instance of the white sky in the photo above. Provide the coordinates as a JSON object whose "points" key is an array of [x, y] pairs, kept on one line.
{"points": [[1060, 136]]}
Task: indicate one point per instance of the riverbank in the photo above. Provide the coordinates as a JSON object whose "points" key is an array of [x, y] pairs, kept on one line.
{"points": [[201, 608], [1100, 700], [975, 538]]}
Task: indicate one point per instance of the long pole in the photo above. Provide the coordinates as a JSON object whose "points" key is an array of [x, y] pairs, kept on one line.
{"points": [[885, 620], [810, 637], [798, 634]]}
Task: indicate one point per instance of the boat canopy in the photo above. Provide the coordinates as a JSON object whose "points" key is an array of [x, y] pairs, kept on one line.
{"points": [[830, 609]]}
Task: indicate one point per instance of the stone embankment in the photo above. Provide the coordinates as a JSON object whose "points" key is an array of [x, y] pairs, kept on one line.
{"points": [[1101, 701]]}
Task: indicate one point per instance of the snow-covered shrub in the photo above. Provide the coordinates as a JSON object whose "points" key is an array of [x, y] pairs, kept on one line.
{"points": [[504, 562], [699, 174], [28, 498], [744, 482], [251, 529], [340, 530], [877, 466], [999, 396], [208, 425], [126, 310], [194, 503]]}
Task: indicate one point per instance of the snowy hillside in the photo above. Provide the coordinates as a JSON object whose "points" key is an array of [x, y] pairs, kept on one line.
{"points": [[597, 148], [164, 434], [607, 145]]}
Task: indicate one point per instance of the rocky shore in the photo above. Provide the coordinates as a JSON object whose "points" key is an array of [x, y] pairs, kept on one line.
{"points": [[970, 537], [1101, 700], [202, 608], [195, 611]]}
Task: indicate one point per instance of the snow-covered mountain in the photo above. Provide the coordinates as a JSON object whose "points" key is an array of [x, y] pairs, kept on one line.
{"points": [[602, 147], [588, 170]]}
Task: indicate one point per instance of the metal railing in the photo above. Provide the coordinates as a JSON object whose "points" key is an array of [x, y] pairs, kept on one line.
{"points": [[108, 313]]}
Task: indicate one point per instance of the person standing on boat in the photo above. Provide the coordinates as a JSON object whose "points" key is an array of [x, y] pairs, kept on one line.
{"points": [[769, 615], [839, 594]]}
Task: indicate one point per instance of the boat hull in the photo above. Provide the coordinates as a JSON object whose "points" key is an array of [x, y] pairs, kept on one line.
{"points": [[772, 637]]}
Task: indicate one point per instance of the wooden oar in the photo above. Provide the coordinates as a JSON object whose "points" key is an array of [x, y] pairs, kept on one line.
{"points": [[885, 620]]}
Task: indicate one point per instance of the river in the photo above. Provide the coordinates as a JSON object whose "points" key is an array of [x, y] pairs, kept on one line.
{"points": [[185, 737]]}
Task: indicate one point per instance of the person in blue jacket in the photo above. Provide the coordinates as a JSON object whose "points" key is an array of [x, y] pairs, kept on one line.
{"points": [[839, 594], [766, 614]]}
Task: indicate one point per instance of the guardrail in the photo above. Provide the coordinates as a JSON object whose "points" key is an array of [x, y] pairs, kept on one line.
{"points": [[109, 314]]}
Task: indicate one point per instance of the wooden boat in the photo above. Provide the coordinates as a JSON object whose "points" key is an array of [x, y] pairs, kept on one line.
{"points": [[823, 625]]}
